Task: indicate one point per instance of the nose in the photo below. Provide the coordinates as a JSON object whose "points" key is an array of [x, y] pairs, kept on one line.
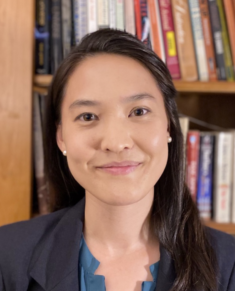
{"points": [[116, 136]]}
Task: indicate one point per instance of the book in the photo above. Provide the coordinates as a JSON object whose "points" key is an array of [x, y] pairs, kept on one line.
{"points": [[91, 16], [205, 175], [184, 125], [66, 26], [103, 13], [138, 22], [145, 23], [56, 46], [222, 177], [129, 16], [38, 152], [233, 180], [199, 43], [192, 155], [112, 14], [208, 39], [156, 29], [217, 39], [225, 39], [42, 37], [168, 32], [230, 17], [120, 24], [184, 40]]}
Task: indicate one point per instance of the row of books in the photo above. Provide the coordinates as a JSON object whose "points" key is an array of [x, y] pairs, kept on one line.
{"points": [[210, 172], [195, 38]]}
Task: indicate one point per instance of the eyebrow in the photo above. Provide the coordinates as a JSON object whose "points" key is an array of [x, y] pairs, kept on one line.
{"points": [[132, 98]]}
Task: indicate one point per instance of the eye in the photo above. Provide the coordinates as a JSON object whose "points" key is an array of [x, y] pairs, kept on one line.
{"points": [[85, 117], [140, 111]]}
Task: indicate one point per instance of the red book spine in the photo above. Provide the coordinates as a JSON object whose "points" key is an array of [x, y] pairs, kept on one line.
{"points": [[192, 156], [168, 32], [138, 19]]}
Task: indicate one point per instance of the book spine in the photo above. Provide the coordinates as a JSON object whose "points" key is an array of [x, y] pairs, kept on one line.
{"points": [[193, 140], [138, 19], [120, 14], [103, 13], [225, 39], [199, 43], [129, 17], [168, 31], [112, 14], [66, 27], [57, 50], [92, 16], [145, 23], [184, 125], [42, 37], [222, 178], [156, 29], [230, 16], [206, 26], [184, 40], [205, 175], [83, 19], [76, 20], [42, 190], [217, 39]]}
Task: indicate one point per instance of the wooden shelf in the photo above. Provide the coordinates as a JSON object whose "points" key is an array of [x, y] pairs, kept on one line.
{"points": [[205, 87], [225, 227], [181, 86]]}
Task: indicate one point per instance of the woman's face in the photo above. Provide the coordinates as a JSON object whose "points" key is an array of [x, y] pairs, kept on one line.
{"points": [[113, 111]]}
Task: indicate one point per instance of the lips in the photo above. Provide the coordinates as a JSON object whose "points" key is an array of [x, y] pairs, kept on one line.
{"points": [[120, 164], [122, 168]]}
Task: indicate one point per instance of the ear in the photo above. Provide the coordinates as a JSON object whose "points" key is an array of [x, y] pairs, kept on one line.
{"points": [[59, 138]]}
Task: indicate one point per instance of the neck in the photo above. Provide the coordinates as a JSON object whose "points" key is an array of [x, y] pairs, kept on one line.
{"points": [[118, 229]]}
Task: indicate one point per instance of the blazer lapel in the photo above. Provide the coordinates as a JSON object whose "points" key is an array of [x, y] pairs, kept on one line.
{"points": [[166, 272], [57, 264]]}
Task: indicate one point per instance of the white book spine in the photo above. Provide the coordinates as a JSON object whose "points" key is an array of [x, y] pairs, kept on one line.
{"points": [[82, 20], [103, 13], [92, 15], [120, 14], [222, 177], [112, 14], [198, 40], [130, 17]]}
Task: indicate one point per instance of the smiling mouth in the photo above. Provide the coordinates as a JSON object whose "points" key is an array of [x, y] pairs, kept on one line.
{"points": [[123, 170]]}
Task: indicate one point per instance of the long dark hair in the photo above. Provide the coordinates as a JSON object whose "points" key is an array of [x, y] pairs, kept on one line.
{"points": [[174, 214]]}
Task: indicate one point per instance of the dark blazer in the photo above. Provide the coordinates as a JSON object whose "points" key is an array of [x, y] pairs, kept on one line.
{"points": [[42, 254]]}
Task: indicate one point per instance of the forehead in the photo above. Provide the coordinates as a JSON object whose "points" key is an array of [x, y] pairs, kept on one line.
{"points": [[110, 77]]}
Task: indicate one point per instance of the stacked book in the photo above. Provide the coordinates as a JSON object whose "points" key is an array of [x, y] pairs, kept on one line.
{"points": [[195, 38]]}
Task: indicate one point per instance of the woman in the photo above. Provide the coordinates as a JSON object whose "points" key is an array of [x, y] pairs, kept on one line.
{"points": [[114, 152]]}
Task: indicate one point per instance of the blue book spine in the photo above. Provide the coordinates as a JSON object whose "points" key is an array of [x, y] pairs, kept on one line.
{"points": [[76, 20], [205, 175]]}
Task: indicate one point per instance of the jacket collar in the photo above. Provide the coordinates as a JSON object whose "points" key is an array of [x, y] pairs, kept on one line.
{"points": [[56, 266]]}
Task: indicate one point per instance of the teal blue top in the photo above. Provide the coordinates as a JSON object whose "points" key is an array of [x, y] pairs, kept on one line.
{"points": [[91, 282]]}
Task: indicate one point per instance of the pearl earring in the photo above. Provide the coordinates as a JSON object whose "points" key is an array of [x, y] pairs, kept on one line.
{"points": [[64, 153], [169, 139]]}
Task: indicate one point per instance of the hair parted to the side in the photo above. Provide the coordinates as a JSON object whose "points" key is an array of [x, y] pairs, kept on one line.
{"points": [[174, 215]]}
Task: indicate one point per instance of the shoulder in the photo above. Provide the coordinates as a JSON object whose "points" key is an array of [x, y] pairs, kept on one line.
{"points": [[18, 240], [224, 247]]}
